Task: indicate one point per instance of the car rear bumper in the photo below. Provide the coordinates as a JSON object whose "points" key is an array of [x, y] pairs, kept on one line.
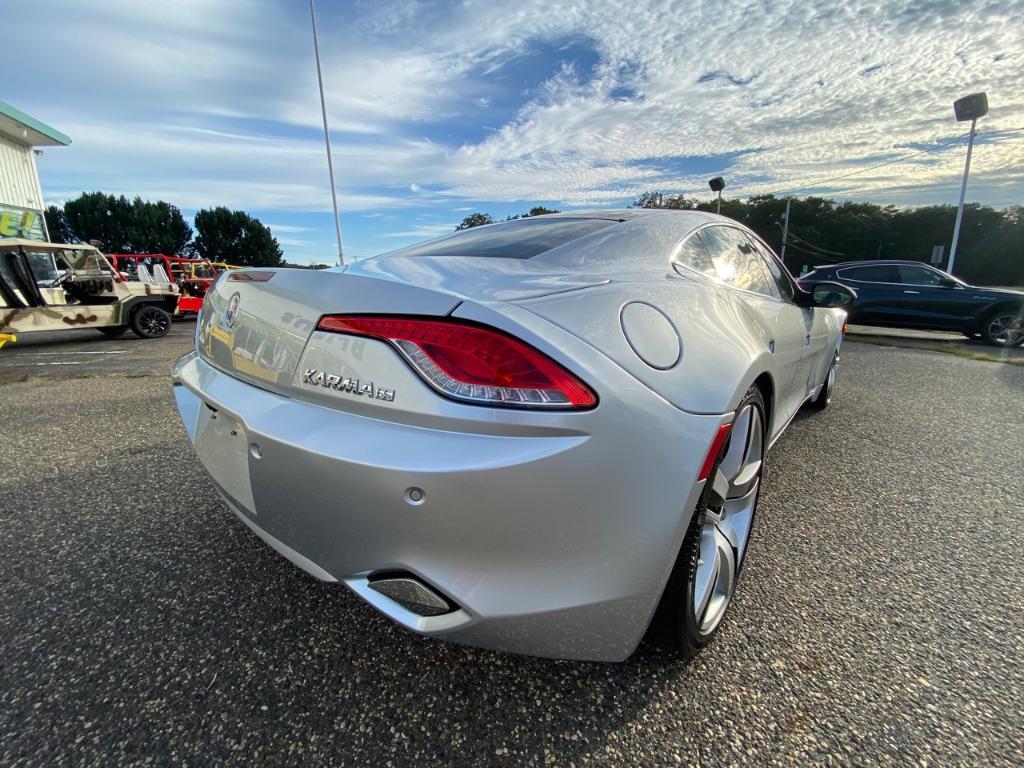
{"points": [[555, 540]]}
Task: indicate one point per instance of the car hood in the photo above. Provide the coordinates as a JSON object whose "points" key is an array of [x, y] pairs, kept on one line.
{"points": [[998, 293]]}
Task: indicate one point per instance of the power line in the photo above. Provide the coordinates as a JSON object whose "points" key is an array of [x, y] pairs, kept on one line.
{"points": [[1002, 130], [900, 159], [816, 247]]}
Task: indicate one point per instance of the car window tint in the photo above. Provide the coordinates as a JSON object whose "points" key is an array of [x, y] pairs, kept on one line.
{"points": [[736, 261], [918, 275], [694, 255], [780, 275], [519, 239], [876, 273]]}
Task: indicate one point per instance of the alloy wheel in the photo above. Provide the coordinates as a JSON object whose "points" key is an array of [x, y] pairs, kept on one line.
{"points": [[728, 519], [830, 380], [153, 323], [1006, 330]]}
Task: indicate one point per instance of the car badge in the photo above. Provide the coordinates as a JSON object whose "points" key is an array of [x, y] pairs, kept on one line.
{"points": [[232, 311]]}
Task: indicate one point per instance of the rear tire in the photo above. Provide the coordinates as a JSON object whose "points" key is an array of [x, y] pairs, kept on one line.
{"points": [[113, 330], [824, 396], [711, 558], [1003, 328], [150, 321]]}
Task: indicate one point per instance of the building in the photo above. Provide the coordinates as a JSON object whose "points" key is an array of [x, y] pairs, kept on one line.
{"points": [[21, 196]]}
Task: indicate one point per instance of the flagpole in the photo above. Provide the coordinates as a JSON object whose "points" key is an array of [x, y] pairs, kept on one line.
{"points": [[327, 133]]}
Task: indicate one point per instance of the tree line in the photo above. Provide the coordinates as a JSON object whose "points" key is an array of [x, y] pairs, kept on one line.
{"points": [[481, 219], [823, 231], [120, 225]]}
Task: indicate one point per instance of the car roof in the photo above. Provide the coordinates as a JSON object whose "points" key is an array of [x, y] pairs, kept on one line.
{"points": [[874, 263]]}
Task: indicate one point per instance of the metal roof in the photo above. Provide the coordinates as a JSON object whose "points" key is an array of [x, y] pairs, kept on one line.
{"points": [[16, 125], [12, 243]]}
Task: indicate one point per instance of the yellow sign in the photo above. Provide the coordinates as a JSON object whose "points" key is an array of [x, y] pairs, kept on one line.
{"points": [[21, 223]]}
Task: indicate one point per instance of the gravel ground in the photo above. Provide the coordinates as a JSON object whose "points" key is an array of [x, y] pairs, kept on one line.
{"points": [[879, 620], [81, 353]]}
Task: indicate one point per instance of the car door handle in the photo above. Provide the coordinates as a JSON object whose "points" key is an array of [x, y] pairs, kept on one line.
{"points": [[916, 293]]}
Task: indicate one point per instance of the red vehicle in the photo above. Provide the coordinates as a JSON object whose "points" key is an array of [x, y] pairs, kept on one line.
{"points": [[193, 276]]}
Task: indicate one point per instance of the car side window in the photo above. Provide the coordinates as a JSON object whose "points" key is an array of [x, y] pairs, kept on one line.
{"points": [[918, 275], [735, 259], [880, 273], [694, 255], [780, 275]]}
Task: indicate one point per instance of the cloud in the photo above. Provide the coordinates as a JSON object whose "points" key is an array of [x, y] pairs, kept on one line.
{"points": [[207, 102]]}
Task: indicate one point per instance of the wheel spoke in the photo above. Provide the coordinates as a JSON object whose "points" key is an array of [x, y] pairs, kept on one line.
{"points": [[741, 485], [739, 514], [707, 573], [732, 462]]}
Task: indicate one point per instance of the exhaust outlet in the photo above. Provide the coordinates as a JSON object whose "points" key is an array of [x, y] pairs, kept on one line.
{"points": [[410, 593]]}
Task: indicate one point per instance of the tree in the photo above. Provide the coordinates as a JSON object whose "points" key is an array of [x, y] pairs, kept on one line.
{"points": [[537, 210], [97, 216], [57, 226], [120, 226], [475, 220], [822, 231], [235, 237], [157, 228]]}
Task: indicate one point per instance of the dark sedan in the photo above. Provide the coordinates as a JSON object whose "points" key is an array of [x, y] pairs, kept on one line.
{"points": [[909, 294]]}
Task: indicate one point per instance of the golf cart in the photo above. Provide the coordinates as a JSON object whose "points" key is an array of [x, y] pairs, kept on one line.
{"points": [[53, 286]]}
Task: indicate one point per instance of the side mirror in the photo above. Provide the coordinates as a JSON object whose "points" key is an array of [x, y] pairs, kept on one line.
{"points": [[827, 294], [947, 282]]}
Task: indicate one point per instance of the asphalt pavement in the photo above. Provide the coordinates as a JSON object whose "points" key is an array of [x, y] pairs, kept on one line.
{"points": [[879, 620]]}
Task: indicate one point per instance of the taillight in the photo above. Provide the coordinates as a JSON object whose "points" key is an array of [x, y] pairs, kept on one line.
{"points": [[471, 362]]}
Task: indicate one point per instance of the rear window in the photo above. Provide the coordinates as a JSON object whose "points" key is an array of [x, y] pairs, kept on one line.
{"points": [[520, 239]]}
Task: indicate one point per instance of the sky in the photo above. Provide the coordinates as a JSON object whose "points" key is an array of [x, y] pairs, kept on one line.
{"points": [[441, 109]]}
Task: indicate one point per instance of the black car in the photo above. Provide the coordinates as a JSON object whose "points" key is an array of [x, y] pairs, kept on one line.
{"points": [[909, 294]]}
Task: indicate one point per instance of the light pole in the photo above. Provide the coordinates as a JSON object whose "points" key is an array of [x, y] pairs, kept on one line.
{"points": [[968, 108], [327, 134], [717, 184]]}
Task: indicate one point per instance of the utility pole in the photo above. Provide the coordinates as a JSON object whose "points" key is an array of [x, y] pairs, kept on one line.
{"points": [[785, 231], [963, 194], [968, 108], [327, 134]]}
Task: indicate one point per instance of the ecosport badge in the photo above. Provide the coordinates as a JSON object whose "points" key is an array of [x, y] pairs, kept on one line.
{"points": [[347, 384]]}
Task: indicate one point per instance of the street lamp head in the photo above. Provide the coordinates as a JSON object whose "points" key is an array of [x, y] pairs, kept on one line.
{"points": [[971, 107], [717, 184]]}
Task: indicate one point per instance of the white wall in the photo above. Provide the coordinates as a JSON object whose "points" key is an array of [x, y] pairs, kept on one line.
{"points": [[19, 180]]}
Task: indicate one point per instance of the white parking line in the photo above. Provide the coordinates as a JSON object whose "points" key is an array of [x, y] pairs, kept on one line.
{"points": [[110, 352]]}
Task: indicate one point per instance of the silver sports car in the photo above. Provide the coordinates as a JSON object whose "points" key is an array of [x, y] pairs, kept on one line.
{"points": [[526, 436]]}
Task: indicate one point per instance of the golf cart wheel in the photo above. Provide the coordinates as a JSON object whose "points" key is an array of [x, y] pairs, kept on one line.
{"points": [[824, 396], [113, 330], [1003, 328], [150, 321], [712, 555]]}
